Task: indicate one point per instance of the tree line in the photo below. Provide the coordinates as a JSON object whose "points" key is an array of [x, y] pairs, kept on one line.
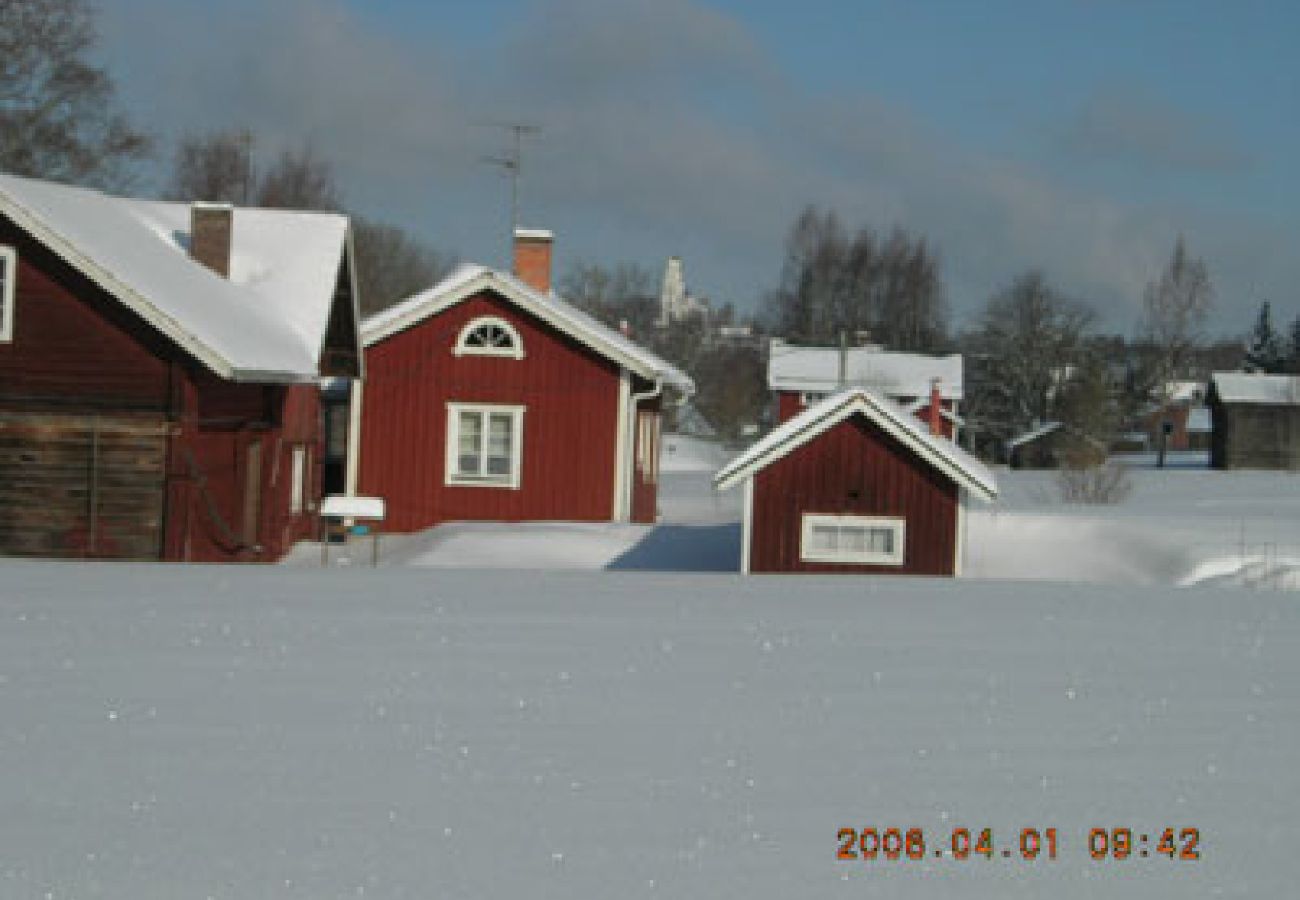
{"points": [[1033, 353]]}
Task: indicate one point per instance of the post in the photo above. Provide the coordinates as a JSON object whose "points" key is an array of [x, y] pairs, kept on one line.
{"points": [[844, 357]]}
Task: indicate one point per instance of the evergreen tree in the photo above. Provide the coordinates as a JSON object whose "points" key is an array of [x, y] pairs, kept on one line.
{"points": [[1265, 353]]}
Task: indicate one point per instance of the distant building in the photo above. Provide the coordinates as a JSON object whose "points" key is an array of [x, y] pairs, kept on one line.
{"points": [[675, 302], [855, 483], [801, 376], [1182, 421], [1256, 420]]}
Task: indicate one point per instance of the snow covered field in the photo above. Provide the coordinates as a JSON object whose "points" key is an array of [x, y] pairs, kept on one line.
{"points": [[277, 732]]}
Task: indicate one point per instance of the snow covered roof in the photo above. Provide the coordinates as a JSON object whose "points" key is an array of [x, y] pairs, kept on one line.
{"points": [[1198, 420], [1248, 387], [468, 280], [1032, 434], [896, 375], [267, 322], [891, 418]]}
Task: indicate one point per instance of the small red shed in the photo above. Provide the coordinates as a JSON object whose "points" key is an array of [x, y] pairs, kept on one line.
{"points": [[159, 368], [487, 397], [855, 483]]}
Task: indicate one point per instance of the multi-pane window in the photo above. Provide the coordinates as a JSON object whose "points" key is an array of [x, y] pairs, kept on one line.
{"points": [[864, 540], [484, 444], [8, 275], [490, 336]]}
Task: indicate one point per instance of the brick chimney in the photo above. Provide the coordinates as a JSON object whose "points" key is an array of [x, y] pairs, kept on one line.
{"points": [[212, 227], [936, 409], [532, 263]]}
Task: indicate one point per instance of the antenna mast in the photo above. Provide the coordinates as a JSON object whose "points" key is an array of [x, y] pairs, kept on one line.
{"points": [[513, 164]]}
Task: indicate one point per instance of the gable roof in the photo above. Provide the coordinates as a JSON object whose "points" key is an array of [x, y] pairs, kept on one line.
{"points": [[1250, 387], [942, 454], [267, 322], [469, 280], [893, 374]]}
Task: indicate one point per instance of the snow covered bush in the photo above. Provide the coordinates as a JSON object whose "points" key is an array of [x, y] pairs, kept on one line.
{"points": [[1084, 481]]}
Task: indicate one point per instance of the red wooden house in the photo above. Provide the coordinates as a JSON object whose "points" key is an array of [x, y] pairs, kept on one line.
{"points": [[855, 483], [487, 397], [158, 373], [801, 376]]}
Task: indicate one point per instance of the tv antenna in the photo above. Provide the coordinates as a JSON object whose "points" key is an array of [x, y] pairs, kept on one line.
{"points": [[513, 164]]}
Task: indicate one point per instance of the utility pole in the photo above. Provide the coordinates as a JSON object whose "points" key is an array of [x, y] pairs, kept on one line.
{"points": [[513, 164], [246, 144]]}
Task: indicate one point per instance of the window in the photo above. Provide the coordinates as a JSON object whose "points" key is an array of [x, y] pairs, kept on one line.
{"points": [[8, 275], [484, 444], [297, 479], [489, 337], [647, 446], [869, 540], [808, 398]]}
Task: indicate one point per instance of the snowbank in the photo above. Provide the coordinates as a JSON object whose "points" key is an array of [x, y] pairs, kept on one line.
{"points": [[266, 732]]}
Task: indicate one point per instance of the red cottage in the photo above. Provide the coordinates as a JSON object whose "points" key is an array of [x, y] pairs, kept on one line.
{"points": [[487, 397], [159, 365], [801, 376], [855, 483]]}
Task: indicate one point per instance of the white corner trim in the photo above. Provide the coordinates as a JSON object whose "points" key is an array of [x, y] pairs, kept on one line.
{"points": [[514, 351], [747, 526], [355, 399], [450, 476], [8, 291], [622, 483]]}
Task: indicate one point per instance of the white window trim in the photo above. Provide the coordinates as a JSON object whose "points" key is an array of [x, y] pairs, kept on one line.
{"points": [[9, 260], [898, 525], [297, 478], [514, 351], [452, 462]]}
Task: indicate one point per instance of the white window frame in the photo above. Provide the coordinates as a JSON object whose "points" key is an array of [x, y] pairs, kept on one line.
{"points": [[867, 558], [452, 473], [9, 261], [514, 351], [297, 478]]}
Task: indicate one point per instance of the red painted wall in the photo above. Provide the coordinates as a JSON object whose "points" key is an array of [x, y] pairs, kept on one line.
{"points": [[853, 468], [569, 431], [78, 350]]}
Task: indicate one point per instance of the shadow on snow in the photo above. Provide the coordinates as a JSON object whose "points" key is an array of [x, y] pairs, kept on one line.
{"points": [[684, 548]]}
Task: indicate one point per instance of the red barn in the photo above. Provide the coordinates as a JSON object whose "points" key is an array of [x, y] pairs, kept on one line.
{"points": [[158, 373], [802, 376], [855, 483], [487, 397]]}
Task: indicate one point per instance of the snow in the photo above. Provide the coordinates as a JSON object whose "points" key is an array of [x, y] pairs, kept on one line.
{"points": [[468, 279], [173, 731], [940, 452], [894, 374], [267, 321], [683, 453], [1242, 387], [1032, 434]]}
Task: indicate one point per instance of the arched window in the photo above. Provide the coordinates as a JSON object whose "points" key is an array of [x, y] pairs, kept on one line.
{"points": [[489, 336]]}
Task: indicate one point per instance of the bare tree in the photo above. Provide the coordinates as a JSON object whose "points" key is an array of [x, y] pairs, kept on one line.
{"points": [[392, 265], [216, 166], [1025, 352], [833, 281], [58, 119], [300, 179], [1174, 309]]}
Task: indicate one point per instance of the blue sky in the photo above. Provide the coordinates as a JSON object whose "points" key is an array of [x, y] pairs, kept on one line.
{"points": [[1077, 137]]}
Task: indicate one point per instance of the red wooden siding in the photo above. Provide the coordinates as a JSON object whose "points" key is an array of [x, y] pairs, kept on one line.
{"points": [[76, 351], [853, 468], [569, 427]]}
